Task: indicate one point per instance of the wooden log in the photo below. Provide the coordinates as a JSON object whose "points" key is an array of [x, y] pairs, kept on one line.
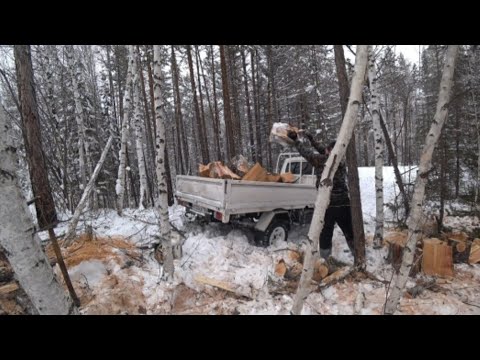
{"points": [[273, 178], [396, 243], [474, 252], [287, 177], [336, 276], [220, 171], [460, 249], [256, 173], [456, 236], [437, 258], [221, 285], [239, 165], [6, 289], [204, 170], [280, 268], [320, 270]]}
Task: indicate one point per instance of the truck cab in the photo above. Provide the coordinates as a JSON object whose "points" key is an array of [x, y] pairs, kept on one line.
{"points": [[296, 164]]}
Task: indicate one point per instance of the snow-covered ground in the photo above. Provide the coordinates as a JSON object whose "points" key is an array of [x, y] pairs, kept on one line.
{"points": [[129, 280]]}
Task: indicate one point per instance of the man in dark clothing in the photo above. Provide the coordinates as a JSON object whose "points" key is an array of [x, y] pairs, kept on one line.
{"points": [[339, 210]]}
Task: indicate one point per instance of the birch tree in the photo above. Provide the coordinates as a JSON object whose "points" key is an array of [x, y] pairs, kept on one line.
{"points": [[127, 103], [326, 182], [83, 148], [162, 203], [144, 196], [377, 131], [425, 167], [19, 238]]}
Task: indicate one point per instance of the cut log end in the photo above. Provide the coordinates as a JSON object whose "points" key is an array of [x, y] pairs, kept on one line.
{"points": [[437, 258]]}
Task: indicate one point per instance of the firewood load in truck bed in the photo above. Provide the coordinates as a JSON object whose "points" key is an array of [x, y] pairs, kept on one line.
{"points": [[239, 169]]}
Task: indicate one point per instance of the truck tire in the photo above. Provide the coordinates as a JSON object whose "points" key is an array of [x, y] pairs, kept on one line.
{"points": [[276, 231]]}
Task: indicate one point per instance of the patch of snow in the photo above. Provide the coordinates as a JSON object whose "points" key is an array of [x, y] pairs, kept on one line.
{"points": [[93, 271]]}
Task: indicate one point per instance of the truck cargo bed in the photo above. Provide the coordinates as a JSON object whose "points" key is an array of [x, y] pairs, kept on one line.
{"points": [[239, 197]]}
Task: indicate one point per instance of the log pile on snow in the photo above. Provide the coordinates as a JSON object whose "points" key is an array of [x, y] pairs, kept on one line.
{"points": [[435, 256]]}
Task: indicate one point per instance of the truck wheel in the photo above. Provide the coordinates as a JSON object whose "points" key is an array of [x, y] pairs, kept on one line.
{"points": [[276, 231]]}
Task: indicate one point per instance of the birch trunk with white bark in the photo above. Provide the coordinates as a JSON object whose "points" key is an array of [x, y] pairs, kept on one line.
{"points": [[69, 52], [378, 139], [127, 104], [416, 206], [326, 182], [91, 184], [20, 242], [144, 196], [162, 203]]}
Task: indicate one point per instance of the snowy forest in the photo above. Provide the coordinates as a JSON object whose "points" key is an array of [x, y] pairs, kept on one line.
{"points": [[146, 179]]}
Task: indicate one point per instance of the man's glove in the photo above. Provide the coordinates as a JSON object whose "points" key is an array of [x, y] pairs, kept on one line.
{"points": [[292, 135]]}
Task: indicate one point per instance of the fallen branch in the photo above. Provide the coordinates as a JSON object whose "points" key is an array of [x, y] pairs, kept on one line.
{"points": [[478, 306], [85, 195], [335, 277], [421, 287], [221, 285]]}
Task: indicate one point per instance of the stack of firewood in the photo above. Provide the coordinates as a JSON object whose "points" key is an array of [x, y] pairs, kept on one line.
{"points": [[435, 255], [239, 169]]}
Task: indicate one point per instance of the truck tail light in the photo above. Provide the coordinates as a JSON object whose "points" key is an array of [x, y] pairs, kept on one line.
{"points": [[218, 215]]}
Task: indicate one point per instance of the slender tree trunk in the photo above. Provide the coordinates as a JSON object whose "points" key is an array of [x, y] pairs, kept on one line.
{"points": [[20, 240], [111, 115], [200, 128], [127, 104], [181, 136], [78, 211], [202, 108], [139, 138], [457, 153], [216, 148], [393, 159], [249, 113], [414, 231], [148, 128], [78, 115], [477, 123], [52, 109], [372, 77], [236, 119], [351, 156], [162, 203], [226, 106], [216, 121], [325, 188], [258, 148]]}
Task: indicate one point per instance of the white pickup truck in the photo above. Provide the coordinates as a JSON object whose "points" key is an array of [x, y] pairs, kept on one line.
{"points": [[267, 208]]}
